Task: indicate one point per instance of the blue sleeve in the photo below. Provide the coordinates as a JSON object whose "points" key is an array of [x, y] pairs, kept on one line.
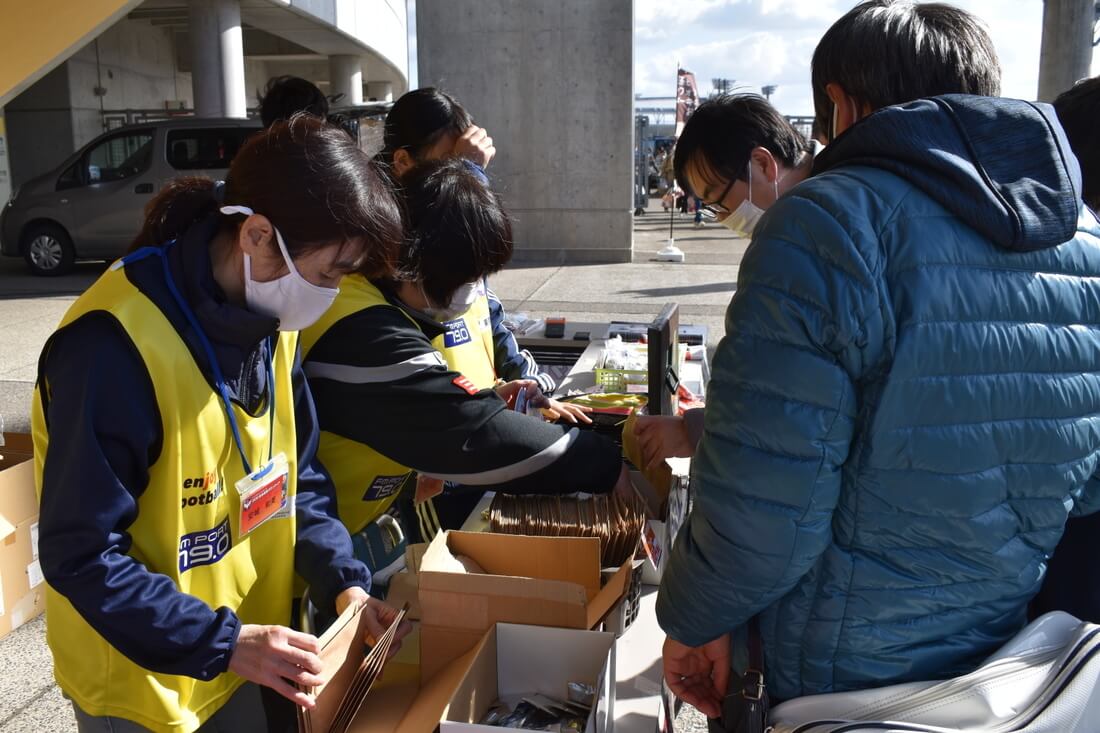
{"points": [[323, 553], [105, 433], [511, 362], [1087, 500], [780, 416]]}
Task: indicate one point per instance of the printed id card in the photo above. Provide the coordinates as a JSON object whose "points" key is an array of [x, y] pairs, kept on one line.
{"points": [[263, 493]]}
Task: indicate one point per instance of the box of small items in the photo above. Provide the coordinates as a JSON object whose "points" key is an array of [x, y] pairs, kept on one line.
{"points": [[538, 678]]}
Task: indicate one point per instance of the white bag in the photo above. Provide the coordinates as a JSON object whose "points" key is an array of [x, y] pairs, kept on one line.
{"points": [[1043, 681]]}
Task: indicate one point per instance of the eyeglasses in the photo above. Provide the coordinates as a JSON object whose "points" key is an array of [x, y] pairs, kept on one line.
{"points": [[719, 207]]}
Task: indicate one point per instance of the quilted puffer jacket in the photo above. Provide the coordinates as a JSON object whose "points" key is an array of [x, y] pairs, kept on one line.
{"points": [[906, 405]]}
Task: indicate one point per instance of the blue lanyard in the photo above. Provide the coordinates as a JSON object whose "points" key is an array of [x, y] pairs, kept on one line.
{"points": [[219, 380]]}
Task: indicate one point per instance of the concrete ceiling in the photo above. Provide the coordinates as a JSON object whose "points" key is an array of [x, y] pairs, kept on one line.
{"points": [[274, 31]]}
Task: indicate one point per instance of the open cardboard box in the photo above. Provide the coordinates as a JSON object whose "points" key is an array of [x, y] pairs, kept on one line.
{"points": [[541, 581], [499, 666], [513, 661], [22, 591]]}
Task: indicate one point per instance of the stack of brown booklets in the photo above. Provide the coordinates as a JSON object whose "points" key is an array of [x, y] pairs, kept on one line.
{"points": [[349, 672]]}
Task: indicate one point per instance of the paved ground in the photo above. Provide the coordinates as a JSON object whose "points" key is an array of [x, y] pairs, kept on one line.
{"points": [[31, 307]]}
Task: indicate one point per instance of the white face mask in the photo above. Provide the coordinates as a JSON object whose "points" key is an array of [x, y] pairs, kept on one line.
{"points": [[295, 301], [743, 219], [463, 298]]}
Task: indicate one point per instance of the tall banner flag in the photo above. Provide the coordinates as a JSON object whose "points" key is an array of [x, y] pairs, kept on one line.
{"points": [[687, 98]]}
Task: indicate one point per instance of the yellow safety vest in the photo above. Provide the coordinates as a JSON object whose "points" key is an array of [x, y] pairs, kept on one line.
{"points": [[467, 343], [187, 525], [366, 481]]}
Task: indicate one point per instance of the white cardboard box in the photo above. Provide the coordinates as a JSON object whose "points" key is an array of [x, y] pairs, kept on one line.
{"points": [[512, 661]]}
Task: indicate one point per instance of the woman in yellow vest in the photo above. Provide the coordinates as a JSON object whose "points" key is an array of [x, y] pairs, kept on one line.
{"points": [[175, 438], [428, 124], [388, 402]]}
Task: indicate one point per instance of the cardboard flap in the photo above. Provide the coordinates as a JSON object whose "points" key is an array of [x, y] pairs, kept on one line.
{"points": [[15, 448], [7, 528], [479, 686], [414, 555], [609, 595], [18, 500], [442, 646], [478, 601], [568, 559]]}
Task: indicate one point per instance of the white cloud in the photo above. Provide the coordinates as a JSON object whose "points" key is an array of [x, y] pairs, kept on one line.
{"points": [[759, 42], [662, 11]]}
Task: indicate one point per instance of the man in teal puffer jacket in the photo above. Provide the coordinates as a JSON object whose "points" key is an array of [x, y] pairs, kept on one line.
{"points": [[906, 405]]}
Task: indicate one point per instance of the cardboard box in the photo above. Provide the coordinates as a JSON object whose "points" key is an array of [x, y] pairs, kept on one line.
{"points": [[541, 581], [22, 591], [403, 701], [513, 661], [500, 664]]}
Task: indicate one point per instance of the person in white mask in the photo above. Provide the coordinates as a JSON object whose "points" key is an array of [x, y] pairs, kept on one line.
{"points": [[175, 438], [401, 383], [739, 155]]}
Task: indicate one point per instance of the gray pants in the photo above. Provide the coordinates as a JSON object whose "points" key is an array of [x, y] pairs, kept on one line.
{"points": [[243, 712]]}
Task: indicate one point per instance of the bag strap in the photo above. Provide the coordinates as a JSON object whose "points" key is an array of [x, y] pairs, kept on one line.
{"points": [[753, 681]]}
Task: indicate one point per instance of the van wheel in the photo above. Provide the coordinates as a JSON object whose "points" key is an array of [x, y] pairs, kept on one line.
{"points": [[48, 250]]}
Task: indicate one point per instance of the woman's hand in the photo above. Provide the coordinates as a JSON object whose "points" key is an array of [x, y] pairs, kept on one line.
{"points": [[276, 657], [379, 616], [476, 146], [661, 437], [699, 675]]}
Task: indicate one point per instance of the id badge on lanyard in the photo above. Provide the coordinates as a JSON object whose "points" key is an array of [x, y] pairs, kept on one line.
{"points": [[263, 493]]}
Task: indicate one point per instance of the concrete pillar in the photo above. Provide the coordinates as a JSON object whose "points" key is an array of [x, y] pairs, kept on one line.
{"points": [[553, 85], [380, 90], [1066, 53], [217, 58], [346, 77]]}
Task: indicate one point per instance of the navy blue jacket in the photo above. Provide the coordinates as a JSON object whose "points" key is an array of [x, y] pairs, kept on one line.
{"points": [[103, 410], [905, 408], [512, 362]]}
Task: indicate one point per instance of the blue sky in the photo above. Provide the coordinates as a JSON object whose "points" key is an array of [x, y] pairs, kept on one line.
{"points": [[758, 42]]}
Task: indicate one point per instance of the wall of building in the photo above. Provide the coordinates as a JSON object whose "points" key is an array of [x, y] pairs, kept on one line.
{"points": [[552, 82], [62, 111], [136, 66], [39, 126]]}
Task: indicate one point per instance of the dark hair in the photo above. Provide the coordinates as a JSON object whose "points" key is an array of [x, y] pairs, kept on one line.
{"points": [[1079, 112], [886, 52], [457, 230], [419, 119], [722, 133], [309, 178], [285, 96]]}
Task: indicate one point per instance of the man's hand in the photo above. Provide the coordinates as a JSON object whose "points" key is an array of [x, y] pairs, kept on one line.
{"points": [[379, 616], [476, 146], [661, 437], [699, 675], [272, 655]]}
